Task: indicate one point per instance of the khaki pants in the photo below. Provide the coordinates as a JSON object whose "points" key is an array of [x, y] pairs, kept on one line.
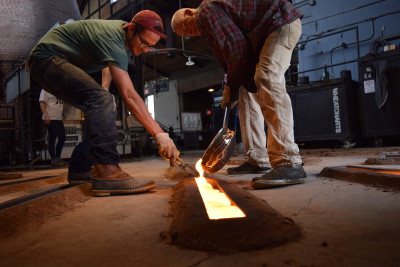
{"points": [[252, 129], [273, 100]]}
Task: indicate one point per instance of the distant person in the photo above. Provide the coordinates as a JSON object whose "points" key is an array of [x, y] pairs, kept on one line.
{"points": [[52, 109]]}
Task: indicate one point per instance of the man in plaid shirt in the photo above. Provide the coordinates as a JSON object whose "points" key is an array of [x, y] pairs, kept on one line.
{"points": [[254, 41]]}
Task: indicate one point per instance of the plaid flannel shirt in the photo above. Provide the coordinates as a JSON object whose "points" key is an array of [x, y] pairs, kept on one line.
{"points": [[237, 30]]}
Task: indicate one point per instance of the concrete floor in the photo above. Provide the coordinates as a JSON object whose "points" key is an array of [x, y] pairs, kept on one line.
{"points": [[343, 224]]}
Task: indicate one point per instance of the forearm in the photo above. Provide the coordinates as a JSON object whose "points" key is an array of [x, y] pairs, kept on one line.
{"points": [[43, 107], [229, 44], [134, 103]]}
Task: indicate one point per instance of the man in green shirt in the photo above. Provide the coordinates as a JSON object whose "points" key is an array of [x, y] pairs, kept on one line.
{"points": [[60, 63]]}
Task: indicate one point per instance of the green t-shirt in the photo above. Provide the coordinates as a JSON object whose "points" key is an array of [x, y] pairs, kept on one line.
{"points": [[88, 44]]}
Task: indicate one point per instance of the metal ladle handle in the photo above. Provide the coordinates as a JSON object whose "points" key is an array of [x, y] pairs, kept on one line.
{"points": [[226, 117]]}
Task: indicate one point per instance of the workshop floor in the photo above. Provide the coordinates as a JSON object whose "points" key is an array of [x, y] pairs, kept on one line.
{"points": [[342, 223]]}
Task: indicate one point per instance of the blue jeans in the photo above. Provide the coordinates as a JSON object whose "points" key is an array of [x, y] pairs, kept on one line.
{"points": [[74, 86], [80, 162], [55, 130]]}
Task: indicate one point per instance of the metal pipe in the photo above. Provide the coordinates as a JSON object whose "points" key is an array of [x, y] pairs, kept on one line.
{"points": [[357, 40], [326, 35], [321, 35], [326, 66], [341, 13], [181, 51]]}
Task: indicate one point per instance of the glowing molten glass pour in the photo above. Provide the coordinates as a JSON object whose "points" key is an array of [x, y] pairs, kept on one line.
{"points": [[371, 170], [217, 203]]}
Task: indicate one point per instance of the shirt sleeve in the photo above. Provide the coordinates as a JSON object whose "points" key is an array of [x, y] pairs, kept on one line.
{"points": [[41, 96], [117, 55], [228, 41]]}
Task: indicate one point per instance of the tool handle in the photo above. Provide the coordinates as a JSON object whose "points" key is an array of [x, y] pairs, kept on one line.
{"points": [[226, 117], [178, 161]]}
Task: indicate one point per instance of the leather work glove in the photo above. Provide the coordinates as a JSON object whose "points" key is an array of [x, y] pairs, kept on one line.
{"points": [[226, 98], [166, 147]]}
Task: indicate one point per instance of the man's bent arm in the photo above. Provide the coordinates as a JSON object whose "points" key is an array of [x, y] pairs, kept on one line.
{"points": [[229, 43], [132, 100]]}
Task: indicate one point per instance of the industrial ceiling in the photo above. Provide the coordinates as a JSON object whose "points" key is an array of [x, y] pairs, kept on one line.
{"points": [[172, 54]]}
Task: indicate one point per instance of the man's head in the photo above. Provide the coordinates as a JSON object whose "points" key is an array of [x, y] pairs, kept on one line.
{"points": [[184, 22], [144, 31]]}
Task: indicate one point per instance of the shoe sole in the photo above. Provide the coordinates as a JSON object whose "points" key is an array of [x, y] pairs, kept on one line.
{"points": [[263, 184], [79, 182], [248, 172], [104, 193]]}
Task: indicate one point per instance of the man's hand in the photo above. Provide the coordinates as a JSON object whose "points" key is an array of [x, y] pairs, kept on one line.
{"points": [[226, 98], [166, 147], [46, 119], [43, 107]]}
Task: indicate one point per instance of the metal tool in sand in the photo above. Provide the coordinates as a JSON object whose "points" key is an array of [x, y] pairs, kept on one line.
{"points": [[186, 167]]}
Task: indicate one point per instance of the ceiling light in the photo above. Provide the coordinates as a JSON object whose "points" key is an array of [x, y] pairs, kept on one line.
{"points": [[189, 62], [211, 90]]}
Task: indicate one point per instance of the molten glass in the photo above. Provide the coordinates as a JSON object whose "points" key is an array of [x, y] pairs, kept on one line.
{"points": [[217, 203], [372, 170]]}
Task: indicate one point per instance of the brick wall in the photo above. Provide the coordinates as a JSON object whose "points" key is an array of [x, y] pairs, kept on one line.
{"points": [[22, 24]]}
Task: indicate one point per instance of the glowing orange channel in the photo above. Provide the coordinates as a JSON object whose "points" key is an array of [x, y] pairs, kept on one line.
{"points": [[379, 171], [217, 203]]}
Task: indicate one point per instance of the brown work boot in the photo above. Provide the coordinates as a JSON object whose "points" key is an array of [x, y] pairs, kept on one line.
{"points": [[111, 179]]}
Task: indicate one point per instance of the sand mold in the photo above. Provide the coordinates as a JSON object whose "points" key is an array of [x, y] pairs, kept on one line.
{"points": [[378, 180], [35, 212], [191, 228]]}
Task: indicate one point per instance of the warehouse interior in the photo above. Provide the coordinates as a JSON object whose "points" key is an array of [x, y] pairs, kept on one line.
{"points": [[344, 87]]}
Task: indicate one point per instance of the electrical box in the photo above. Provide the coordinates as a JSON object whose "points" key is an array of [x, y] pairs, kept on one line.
{"points": [[325, 110], [379, 96]]}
